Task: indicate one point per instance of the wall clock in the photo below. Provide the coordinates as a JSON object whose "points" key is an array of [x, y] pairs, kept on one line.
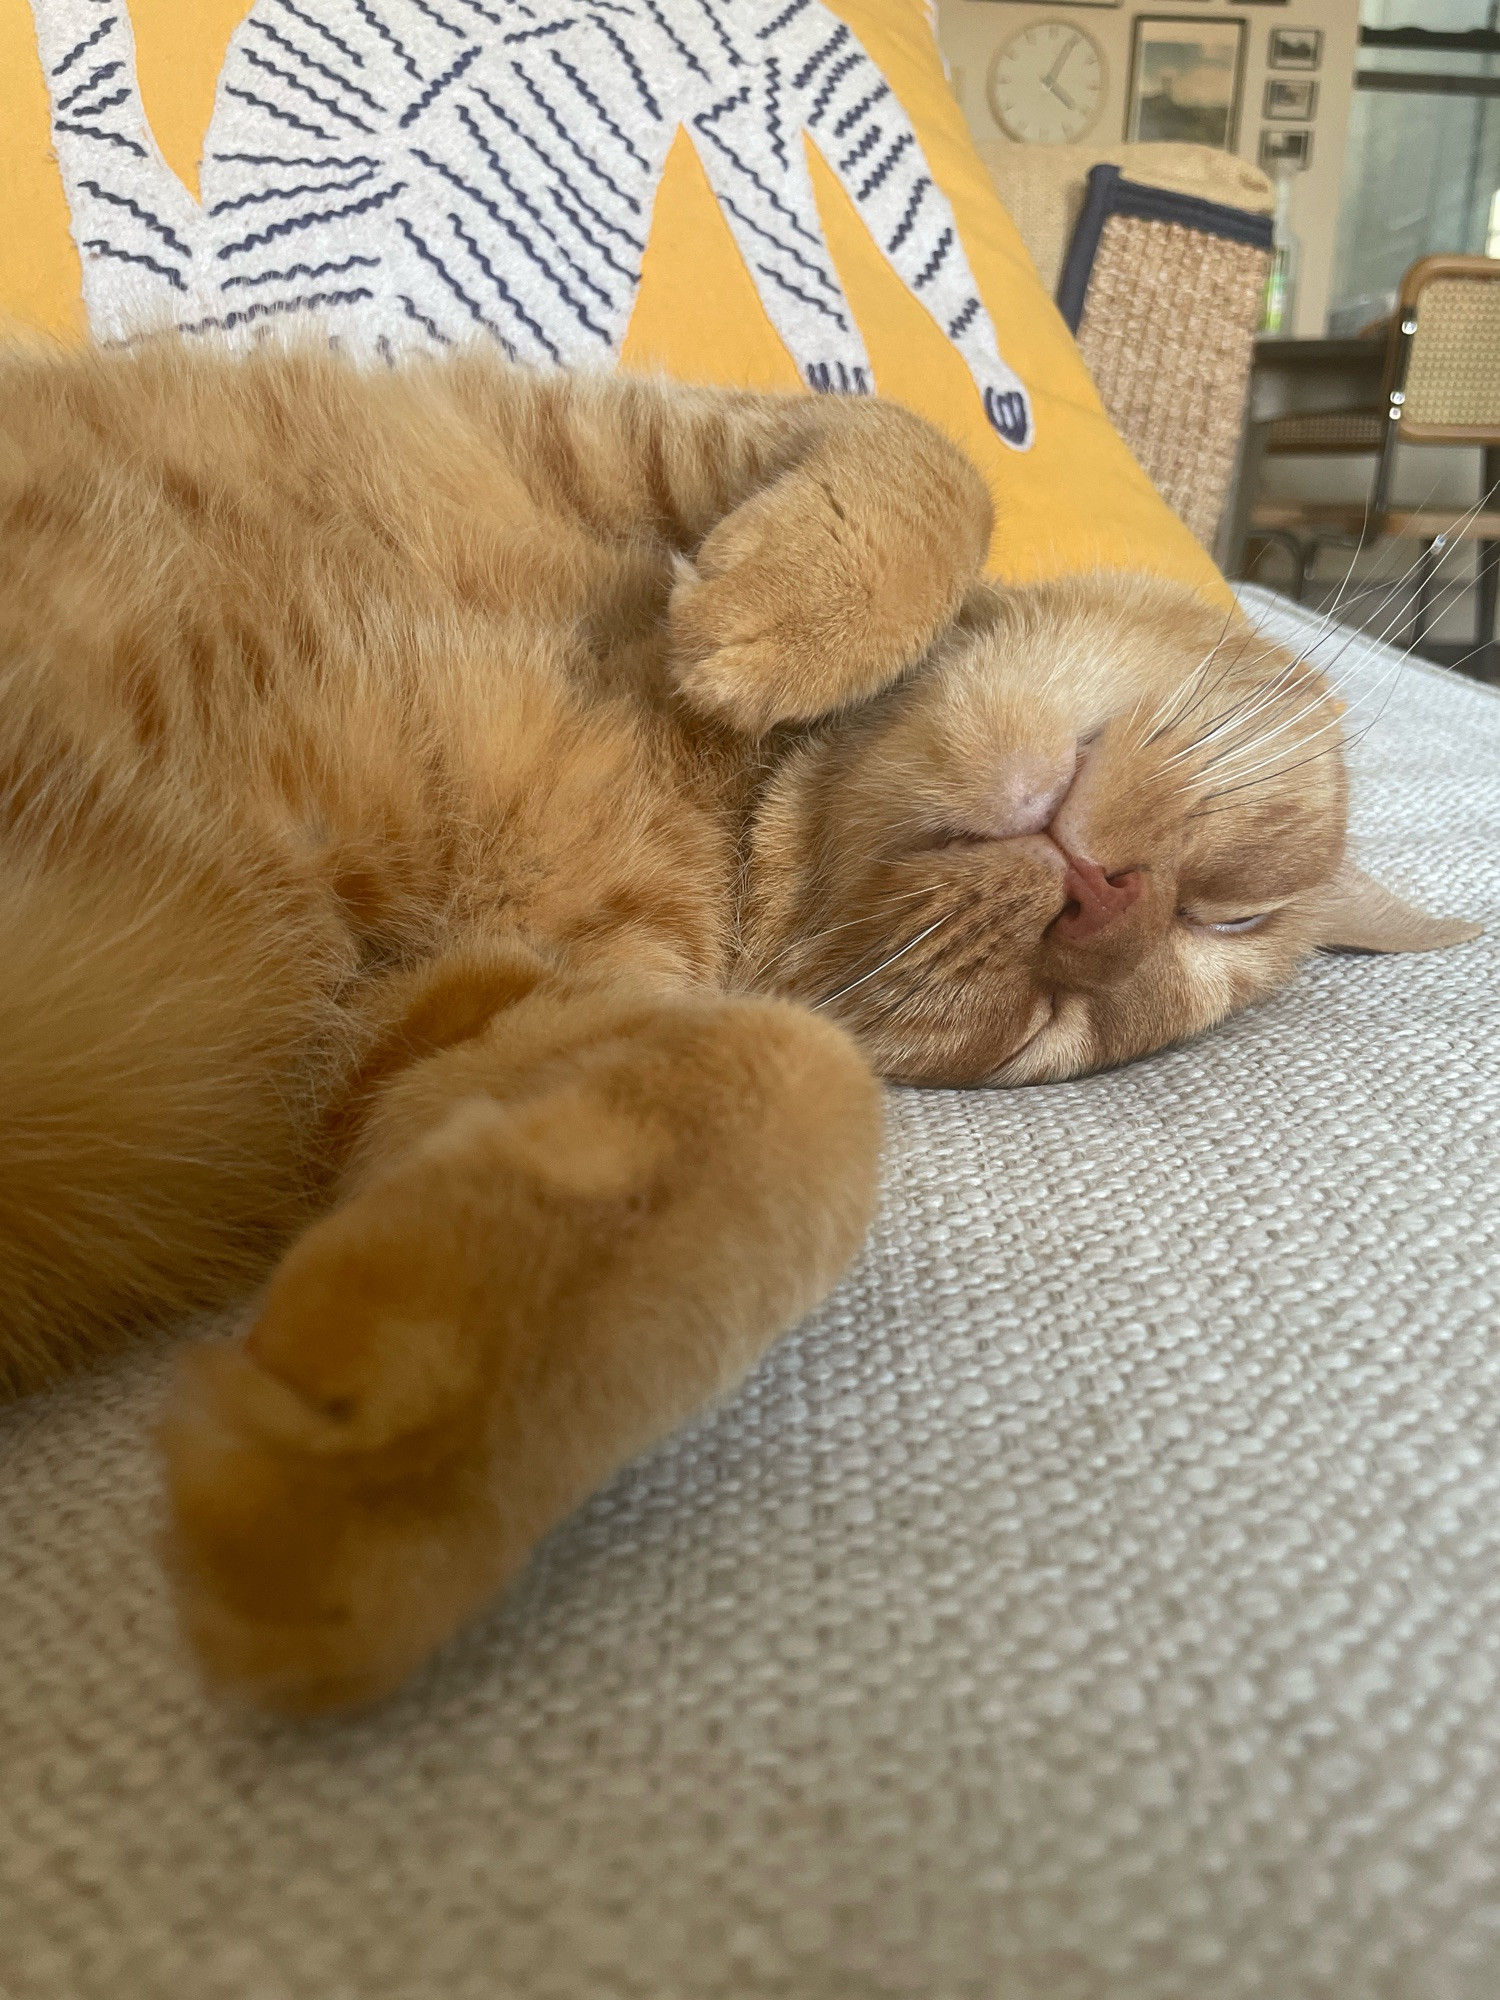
{"points": [[1046, 83]]}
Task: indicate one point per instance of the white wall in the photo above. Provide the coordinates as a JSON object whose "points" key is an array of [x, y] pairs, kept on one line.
{"points": [[971, 30]]}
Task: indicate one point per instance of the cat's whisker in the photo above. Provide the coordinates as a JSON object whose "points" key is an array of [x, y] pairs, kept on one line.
{"points": [[874, 972], [811, 943], [1273, 767]]}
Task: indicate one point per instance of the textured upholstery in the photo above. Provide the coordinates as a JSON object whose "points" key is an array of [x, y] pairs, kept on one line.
{"points": [[1099, 1599], [1043, 187]]}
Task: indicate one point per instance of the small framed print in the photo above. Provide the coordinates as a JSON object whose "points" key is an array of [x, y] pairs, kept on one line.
{"points": [[1295, 48], [1185, 79], [1291, 97], [1284, 149]]}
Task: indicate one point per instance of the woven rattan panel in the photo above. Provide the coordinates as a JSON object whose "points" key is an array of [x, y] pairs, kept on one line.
{"points": [[1098, 1599], [1167, 332], [1328, 430], [1453, 376]]}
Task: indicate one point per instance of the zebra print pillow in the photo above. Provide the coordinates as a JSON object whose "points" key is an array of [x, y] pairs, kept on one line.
{"points": [[760, 191]]}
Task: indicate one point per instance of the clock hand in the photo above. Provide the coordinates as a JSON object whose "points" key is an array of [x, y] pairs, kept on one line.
{"points": [[1049, 81], [1059, 93]]}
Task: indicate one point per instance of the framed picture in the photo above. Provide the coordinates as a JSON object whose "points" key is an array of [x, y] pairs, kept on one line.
{"points": [[1284, 148], [1185, 79], [1295, 48], [1291, 97]]}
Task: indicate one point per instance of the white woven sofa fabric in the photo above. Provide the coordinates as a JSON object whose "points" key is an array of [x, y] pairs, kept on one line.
{"points": [[1098, 1600]]}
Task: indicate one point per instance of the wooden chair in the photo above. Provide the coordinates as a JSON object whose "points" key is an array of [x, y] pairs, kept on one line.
{"points": [[1441, 386]]}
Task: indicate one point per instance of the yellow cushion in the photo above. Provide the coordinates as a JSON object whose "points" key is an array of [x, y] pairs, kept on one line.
{"points": [[681, 185]]}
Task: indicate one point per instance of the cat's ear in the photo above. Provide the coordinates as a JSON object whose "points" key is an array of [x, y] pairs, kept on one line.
{"points": [[1357, 914]]}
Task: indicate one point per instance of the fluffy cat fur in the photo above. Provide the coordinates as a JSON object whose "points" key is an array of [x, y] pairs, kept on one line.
{"points": [[474, 836]]}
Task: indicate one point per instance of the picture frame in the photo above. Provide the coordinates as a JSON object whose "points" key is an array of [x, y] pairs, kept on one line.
{"points": [[1186, 79], [1291, 97], [1295, 48], [1282, 145]]}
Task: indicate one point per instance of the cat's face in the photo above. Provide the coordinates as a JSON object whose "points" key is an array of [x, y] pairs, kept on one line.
{"points": [[1097, 820]]}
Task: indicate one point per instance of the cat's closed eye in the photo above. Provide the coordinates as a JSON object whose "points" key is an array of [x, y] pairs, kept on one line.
{"points": [[1224, 926]]}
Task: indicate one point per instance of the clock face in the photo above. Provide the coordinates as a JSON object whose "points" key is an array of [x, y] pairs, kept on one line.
{"points": [[1047, 83]]}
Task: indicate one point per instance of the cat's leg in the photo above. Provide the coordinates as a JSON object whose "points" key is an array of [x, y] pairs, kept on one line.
{"points": [[562, 1235], [836, 576], [824, 542]]}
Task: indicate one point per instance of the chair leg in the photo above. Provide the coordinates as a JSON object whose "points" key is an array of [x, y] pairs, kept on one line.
{"points": [[1487, 593], [1487, 578], [1420, 615]]}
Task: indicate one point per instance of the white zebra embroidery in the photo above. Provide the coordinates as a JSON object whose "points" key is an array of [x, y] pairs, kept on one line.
{"points": [[416, 171]]}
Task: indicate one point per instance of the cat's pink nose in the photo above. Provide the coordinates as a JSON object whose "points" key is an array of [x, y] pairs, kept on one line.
{"points": [[1096, 900]]}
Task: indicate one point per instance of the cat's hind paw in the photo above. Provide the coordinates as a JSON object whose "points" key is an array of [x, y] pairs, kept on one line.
{"points": [[331, 1522]]}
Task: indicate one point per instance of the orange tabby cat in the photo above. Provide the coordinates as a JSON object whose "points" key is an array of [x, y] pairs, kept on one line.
{"points": [[481, 829]]}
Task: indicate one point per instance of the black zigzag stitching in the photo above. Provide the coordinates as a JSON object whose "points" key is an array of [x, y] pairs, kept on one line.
{"points": [[428, 326], [736, 59], [276, 111], [523, 200], [101, 75], [432, 14], [820, 56], [293, 222], [929, 269], [430, 256], [535, 34], [960, 324], [495, 20], [502, 288], [517, 236], [818, 305], [311, 62], [909, 215], [543, 105], [367, 13], [99, 248], [334, 41], [831, 83], [675, 39], [246, 315], [296, 83], [852, 117], [295, 160], [87, 43], [786, 249], [773, 110], [104, 104], [451, 75], [168, 236], [258, 195], [774, 27], [562, 63], [109, 138], [704, 121], [637, 77], [882, 172], [300, 271], [632, 278], [855, 154]]}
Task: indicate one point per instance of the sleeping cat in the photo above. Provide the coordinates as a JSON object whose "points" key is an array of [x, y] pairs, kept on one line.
{"points": [[485, 830]]}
